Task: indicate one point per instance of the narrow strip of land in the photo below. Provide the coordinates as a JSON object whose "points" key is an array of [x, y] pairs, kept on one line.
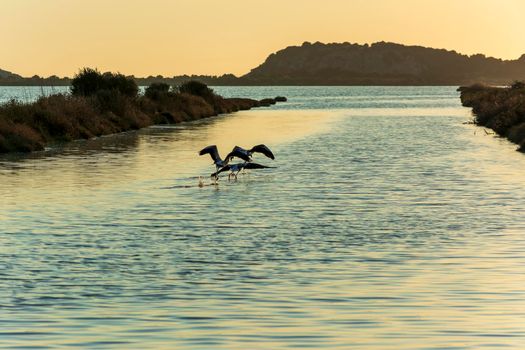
{"points": [[102, 104], [501, 109]]}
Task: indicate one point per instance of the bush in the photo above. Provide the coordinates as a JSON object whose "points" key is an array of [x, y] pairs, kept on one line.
{"points": [[517, 133], [111, 101], [86, 82], [90, 81], [197, 88], [121, 83], [156, 90]]}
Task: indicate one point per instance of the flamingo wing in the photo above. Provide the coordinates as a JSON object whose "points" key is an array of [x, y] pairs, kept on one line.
{"points": [[212, 151], [238, 152], [264, 150], [255, 166]]}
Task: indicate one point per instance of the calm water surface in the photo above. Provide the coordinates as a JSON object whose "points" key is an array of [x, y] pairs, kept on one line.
{"points": [[386, 224]]}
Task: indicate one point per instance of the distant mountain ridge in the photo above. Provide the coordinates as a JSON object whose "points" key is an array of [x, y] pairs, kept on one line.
{"points": [[381, 63]]}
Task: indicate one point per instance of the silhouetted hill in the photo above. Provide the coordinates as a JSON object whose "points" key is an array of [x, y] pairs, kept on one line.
{"points": [[347, 64], [12, 79], [8, 75], [380, 64]]}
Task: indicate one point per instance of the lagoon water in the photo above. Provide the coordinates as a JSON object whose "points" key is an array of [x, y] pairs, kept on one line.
{"points": [[386, 224]]}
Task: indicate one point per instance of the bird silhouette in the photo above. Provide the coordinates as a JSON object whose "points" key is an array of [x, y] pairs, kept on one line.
{"points": [[244, 154], [217, 160]]}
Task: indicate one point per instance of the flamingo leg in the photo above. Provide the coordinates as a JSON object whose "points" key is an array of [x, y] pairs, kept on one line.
{"points": [[216, 177]]}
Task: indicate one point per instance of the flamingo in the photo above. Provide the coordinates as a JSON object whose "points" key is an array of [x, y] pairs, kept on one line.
{"points": [[218, 161]]}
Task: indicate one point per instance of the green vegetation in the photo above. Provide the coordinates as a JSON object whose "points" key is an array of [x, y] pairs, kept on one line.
{"points": [[501, 109], [106, 103]]}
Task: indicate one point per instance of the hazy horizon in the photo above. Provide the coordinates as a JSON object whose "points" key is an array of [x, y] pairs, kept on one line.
{"points": [[172, 38]]}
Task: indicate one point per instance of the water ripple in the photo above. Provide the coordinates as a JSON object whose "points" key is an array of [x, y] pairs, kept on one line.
{"points": [[387, 224]]}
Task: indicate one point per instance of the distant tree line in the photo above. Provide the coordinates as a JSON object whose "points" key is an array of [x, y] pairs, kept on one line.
{"points": [[381, 63], [226, 79]]}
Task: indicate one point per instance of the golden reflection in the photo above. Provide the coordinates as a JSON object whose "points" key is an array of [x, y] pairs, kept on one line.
{"points": [[483, 149], [245, 129], [161, 152], [354, 281]]}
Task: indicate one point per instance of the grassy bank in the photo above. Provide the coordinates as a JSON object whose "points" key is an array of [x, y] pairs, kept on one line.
{"points": [[501, 109], [102, 104]]}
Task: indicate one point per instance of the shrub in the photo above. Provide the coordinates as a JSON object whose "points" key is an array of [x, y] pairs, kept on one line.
{"points": [[121, 83], [197, 88], [156, 90], [90, 81], [517, 133], [87, 82]]}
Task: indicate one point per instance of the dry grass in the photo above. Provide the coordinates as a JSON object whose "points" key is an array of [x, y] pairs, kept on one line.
{"points": [[26, 127]]}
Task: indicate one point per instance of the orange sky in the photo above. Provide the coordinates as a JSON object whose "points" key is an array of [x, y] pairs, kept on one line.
{"points": [[172, 37]]}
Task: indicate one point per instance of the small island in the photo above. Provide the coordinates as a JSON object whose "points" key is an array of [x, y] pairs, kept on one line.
{"points": [[107, 103], [501, 109]]}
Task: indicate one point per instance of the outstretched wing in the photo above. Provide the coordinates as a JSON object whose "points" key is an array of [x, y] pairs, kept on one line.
{"points": [[224, 168], [264, 150], [212, 151], [255, 166], [240, 149], [238, 152]]}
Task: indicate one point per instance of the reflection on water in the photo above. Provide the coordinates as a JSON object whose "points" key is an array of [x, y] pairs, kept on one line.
{"points": [[380, 228]]}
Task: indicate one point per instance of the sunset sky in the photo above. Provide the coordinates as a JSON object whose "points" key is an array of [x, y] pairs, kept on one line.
{"points": [[172, 37]]}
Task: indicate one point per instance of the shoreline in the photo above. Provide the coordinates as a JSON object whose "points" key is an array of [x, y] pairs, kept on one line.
{"points": [[61, 118], [501, 109]]}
